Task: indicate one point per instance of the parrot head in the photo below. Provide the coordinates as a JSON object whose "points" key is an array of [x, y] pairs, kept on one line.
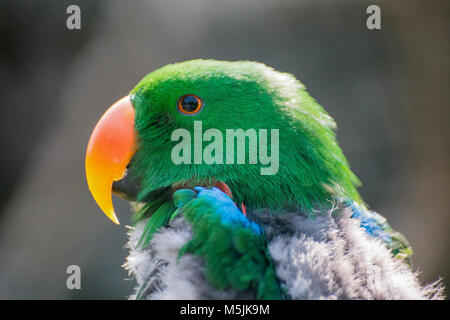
{"points": [[175, 130]]}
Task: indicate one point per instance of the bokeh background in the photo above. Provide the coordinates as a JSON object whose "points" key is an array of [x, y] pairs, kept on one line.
{"points": [[387, 89]]}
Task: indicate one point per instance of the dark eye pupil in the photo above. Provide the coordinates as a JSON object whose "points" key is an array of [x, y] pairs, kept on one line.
{"points": [[189, 103]]}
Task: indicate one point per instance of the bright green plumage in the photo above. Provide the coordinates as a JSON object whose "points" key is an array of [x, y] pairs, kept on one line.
{"points": [[234, 250], [313, 171], [241, 95]]}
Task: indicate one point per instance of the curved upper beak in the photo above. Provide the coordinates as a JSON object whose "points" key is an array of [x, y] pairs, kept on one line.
{"points": [[111, 146]]}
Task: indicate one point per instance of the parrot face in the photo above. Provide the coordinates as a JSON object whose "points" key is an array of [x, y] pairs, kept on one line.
{"points": [[132, 146]]}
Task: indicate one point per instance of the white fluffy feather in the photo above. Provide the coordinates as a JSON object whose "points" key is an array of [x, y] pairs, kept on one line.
{"points": [[328, 257]]}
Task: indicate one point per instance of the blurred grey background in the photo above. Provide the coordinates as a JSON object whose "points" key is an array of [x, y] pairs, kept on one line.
{"points": [[387, 89]]}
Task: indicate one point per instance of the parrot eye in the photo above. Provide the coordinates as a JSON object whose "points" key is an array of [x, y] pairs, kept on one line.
{"points": [[189, 104]]}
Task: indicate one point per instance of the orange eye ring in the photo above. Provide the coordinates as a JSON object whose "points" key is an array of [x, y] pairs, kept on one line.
{"points": [[189, 104]]}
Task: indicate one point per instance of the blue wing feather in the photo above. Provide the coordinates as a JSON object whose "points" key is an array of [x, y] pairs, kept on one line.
{"points": [[377, 227]]}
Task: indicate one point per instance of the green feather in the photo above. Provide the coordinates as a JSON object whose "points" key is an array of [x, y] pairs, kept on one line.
{"points": [[242, 94], [158, 219], [235, 256]]}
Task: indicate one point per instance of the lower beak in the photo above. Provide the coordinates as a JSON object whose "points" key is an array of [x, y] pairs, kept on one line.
{"points": [[110, 149]]}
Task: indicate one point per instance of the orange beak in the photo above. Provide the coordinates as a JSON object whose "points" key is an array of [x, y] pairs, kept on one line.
{"points": [[110, 149]]}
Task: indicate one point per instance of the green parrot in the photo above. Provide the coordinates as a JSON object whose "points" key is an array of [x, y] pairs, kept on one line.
{"points": [[241, 191]]}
